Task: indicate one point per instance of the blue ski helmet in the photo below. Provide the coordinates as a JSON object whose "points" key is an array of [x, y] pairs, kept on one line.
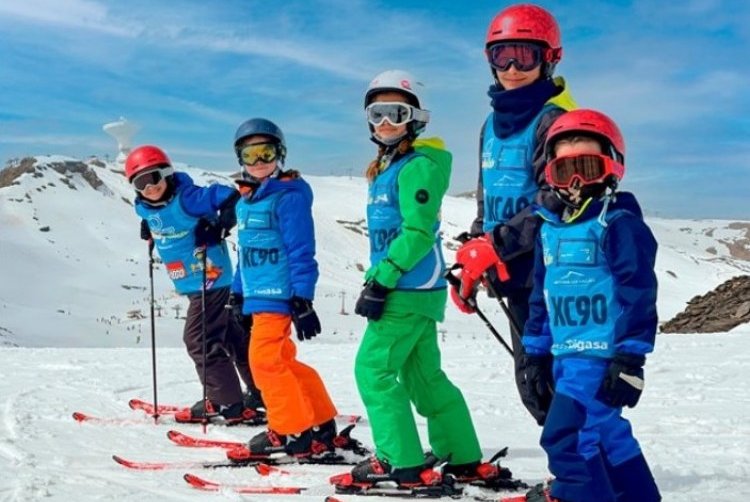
{"points": [[259, 126]]}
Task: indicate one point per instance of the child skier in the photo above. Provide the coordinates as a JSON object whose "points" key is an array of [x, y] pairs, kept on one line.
{"points": [[276, 275], [398, 362], [522, 47], [185, 220], [593, 317]]}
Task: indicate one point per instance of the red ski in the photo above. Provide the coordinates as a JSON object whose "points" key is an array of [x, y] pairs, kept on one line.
{"points": [[407, 493], [162, 409], [181, 439], [171, 409], [84, 417], [205, 485], [185, 464], [246, 461]]}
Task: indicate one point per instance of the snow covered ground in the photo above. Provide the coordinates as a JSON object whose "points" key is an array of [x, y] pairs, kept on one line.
{"points": [[68, 300], [692, 421]]}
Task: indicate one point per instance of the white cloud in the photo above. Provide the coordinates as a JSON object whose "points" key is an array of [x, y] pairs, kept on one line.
{"points": [[82, 14]]}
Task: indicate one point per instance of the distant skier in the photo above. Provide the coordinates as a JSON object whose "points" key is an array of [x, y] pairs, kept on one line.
{"points": [[593, 317], [276, 275], [398, 362], [185, 220], [523, 47]]}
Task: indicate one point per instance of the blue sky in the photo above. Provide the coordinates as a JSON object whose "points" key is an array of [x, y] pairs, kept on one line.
{"points": [[673, 74]]}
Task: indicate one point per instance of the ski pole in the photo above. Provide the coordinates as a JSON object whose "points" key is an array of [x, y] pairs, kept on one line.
{"points": [[153, 325], [515, 326], [472, 302], [204, 330], [517, 331]]}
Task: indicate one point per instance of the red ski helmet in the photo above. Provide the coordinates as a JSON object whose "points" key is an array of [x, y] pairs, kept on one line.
{"points": [[143, 158], [524, 22], [588, 122], [529, 23]]}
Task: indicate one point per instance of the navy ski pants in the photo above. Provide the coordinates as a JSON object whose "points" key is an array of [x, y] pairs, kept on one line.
{"points": [[587, 442]]}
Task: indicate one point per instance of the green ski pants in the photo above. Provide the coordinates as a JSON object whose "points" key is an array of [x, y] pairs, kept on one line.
{"points": [[398, 363]]}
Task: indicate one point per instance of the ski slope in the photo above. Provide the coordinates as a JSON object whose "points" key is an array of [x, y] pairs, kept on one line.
{"points": [[72, 343]]}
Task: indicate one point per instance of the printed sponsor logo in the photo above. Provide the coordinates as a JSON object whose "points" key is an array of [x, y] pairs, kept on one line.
{"points": [[176, 270], [508, 181], [379, 199], [574, 279], [268, 291], [581, 345]]}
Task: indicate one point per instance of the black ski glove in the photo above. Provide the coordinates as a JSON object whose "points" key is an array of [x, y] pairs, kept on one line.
{"points": [[208, 233], [538, 385], [466, 236], [623, 383], [145, 231], [305, 319], [227, 219], [371, 301], [234, 304]]}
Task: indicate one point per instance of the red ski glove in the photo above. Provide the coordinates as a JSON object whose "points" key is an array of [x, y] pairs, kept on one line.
{"points": [[476, 258]]}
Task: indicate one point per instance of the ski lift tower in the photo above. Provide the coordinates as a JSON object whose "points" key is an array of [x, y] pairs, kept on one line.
{"points": [[123, 131]]}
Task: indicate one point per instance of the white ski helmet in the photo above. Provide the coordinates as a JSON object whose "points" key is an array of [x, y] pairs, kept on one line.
{"points": [[404, 83]]}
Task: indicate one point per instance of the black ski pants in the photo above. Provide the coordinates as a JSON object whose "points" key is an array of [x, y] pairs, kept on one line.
{"points": [[226, 347]]}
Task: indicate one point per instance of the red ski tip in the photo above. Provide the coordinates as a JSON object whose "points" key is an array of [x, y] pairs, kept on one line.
{"points": [[201, 484], [80, 417], [267, 470], [341, 479], [181, 439], [210, 486], [141, 466]]}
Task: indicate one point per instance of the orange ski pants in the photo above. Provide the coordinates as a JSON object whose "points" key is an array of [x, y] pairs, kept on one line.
{"points": [[293, 392]]}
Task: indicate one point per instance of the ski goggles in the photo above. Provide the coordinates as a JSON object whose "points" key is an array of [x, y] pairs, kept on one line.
{"points": [[258, 152], [396, 113], [151, 178], [587, 169], [525, 56]]}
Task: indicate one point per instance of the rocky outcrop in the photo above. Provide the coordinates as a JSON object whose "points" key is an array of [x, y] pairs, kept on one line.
{"points": [[67, 169], [720, 310]]}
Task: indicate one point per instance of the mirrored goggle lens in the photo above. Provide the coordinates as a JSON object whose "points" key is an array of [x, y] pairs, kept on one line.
{"points": [[396, 113], [261, 152], [588, 168], [524, 56], [142, 181]]}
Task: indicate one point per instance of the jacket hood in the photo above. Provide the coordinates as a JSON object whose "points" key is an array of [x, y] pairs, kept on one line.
{"points": [[434, 148], [563, 99]]}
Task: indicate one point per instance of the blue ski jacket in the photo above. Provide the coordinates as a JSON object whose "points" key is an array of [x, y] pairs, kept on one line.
{"points": [[278, 214], [172, 225], [595, 287]]}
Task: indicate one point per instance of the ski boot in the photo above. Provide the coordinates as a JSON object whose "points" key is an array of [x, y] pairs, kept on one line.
{"points": [[541, 493], [253, 401], [484, 474], [325, 439], [270, 445], [377, 477], [233, 414]]}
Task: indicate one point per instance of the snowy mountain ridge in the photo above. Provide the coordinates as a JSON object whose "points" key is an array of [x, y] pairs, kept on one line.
{"points": [[75, 271]]}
